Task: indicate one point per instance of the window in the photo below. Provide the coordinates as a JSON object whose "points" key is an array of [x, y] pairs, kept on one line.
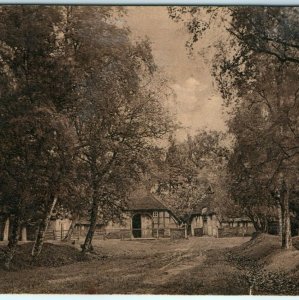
{"points": [[155, 214]]}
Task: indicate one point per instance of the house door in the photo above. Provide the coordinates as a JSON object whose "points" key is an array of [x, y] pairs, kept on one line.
{"points": [[136, 226], [142, 226], [146, 226]]}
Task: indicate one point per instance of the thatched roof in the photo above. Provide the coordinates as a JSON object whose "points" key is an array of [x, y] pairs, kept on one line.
{"points": [[146, 202], [202, 211], [139, 201]]}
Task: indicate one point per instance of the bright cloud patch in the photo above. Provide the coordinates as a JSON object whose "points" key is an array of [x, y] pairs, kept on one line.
{"points": [[196, 107]]}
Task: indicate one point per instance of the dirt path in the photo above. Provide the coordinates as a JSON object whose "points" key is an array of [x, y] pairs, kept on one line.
{"points": [[194, 266]]}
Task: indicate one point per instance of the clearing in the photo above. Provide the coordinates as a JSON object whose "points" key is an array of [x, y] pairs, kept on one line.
{"points": [[224, 266]]}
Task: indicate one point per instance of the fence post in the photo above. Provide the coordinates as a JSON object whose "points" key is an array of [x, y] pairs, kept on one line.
{"points": [[61, 232], [186, 236]]}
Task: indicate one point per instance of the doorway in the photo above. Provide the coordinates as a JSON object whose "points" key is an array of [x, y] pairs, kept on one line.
{"points": [[136, 226]]}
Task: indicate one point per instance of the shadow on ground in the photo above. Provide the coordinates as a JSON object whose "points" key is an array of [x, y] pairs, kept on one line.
{"points": [[209, 266]]}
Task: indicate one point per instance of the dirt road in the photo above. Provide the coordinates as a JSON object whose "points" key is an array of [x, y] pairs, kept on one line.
{"points": [[193, 266]]}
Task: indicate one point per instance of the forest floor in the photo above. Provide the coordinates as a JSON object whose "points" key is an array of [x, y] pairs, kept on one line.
{"points": [[224, 266]]}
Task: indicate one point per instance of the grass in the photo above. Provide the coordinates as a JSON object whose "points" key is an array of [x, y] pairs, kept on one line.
{"points": [[193, 266]]}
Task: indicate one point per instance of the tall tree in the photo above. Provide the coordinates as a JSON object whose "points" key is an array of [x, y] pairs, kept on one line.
{"points": [[189, 176], [34, 135], [118, 114]]}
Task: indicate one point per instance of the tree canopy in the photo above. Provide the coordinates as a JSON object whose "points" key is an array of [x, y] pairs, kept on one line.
{"points": [[81, 110]]}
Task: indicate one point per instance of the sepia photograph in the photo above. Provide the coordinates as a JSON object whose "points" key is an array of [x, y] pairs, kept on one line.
{"points": [[149, 150]]}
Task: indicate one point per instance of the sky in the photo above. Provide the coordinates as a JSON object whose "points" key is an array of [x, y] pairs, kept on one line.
{"points": [[197, 104]]}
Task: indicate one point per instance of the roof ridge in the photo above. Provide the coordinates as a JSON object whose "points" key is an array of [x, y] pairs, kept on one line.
{"points": [[166, 206], [154, 196]]}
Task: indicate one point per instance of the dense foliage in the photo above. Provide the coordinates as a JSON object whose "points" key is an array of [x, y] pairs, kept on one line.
{"points": [[80, 115]]}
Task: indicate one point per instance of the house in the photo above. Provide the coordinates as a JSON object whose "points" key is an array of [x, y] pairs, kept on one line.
{"points": [[149, 217], [204, 221], [236, 226], [58, 228], [144, 217]]}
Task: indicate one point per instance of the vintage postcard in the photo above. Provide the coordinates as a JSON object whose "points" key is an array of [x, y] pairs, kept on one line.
{"points": [[149, 150]]}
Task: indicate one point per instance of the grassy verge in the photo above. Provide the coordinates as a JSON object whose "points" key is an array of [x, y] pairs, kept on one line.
{"points": [[265, 267], [52, 255]]}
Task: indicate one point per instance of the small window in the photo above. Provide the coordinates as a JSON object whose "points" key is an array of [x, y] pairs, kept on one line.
{"points": [[155, 214]]}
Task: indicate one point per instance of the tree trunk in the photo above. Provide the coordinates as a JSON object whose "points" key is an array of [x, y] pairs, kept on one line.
{"points": [[286, 240], [266, 225], [95, 205], [93, 222], [13, 239], [256, 224], [24, 234], [71, 229], [6, 230], [280, 217], [40, 237], [263, 224]]}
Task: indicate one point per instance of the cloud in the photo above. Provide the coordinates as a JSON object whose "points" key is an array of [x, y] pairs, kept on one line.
{"points": [[195, 104], [197, 107], [186, 94]]}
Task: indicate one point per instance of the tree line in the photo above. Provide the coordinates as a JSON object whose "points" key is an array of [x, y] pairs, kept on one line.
{"points": [[81, 107]]}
